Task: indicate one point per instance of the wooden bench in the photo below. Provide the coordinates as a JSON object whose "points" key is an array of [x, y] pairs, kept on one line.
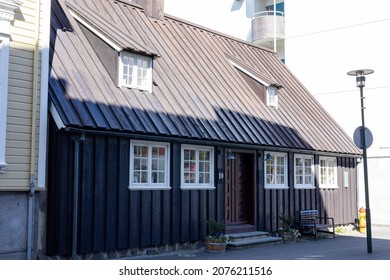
{"points": [[310, 219]]}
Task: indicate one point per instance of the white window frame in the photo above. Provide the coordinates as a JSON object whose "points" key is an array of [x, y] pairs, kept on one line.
{"points": [[272, 162], [272, 96], [304, 169], [4, 64], [136, 68], [346, 179], [149, 185], [197, 185], [327, 170]]}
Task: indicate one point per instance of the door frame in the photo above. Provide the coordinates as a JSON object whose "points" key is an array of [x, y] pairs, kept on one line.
{"points": [[252, 226]]}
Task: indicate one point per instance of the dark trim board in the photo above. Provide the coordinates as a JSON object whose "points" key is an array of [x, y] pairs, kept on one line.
{"points": [[111, 218]]}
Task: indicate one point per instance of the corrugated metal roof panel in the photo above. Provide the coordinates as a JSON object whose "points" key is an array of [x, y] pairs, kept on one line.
{"points": [[197, 92]]}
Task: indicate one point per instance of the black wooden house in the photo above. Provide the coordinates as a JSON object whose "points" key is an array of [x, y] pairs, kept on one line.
{"points": [[158, 125]]}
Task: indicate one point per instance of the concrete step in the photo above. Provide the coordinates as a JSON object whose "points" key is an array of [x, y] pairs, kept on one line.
{"points": [[252, 239], [248, 235]]}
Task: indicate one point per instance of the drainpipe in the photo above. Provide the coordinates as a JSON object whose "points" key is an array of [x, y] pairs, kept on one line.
{"points": [[31, 199], [76, 193], [30, 217]]}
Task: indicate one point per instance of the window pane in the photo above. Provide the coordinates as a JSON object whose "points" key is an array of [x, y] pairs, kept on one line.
{"points": [[204, 155], [196, 166], [149, 164], [136, 70], [189, 166], [136, 177], [202, 167], [161, 177], [308, 162], [136, 151], [128, 68], [270, 179], [137, 164], [186, 166], [275, 170], [269, 168], [204, 178], [303, 170], [189, 177], [280, 179], [308, 180], [280, 161], [299, 171], [144, 177], [144, 164], [328, 172], [144, 151]]}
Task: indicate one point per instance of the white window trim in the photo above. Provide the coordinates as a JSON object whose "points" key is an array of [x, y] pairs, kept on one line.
{"points": [[149, 72], [304, 186], [149, 186], [7, 14], [276, 97], [277, 186], [197, 186], [346, 179], [4, 63], [328, 186]]}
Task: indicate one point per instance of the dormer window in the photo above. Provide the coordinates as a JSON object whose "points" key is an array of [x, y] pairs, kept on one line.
{"points": [[272, 96], [264, 86], [135, 71]]}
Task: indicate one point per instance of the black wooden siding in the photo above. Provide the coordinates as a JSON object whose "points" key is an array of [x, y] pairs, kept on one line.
{"points": [[113, 218], [110, 216]]}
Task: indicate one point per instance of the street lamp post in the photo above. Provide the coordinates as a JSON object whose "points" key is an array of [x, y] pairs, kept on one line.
{"points": [[360, 83]]}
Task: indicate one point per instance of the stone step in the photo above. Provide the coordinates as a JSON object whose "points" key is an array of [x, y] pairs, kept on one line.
{"points": [[252, 239], [248, 235]]}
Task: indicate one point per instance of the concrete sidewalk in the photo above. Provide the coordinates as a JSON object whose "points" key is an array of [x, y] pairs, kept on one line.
{"points": [[349, 246]]}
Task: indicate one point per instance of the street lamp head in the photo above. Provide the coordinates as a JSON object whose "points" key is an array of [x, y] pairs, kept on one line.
{"points": [[360, 76]]}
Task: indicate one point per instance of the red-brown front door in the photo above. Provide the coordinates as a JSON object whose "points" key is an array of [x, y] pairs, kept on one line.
{"points": [[240, 192]]}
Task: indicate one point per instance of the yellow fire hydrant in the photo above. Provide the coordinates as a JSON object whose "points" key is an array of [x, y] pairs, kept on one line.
{"points": [[362, 220]]}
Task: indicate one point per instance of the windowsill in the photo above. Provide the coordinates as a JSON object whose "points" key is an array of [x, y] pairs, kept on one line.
{"points": [[329, 187], [149, 188], [197, 187], [276, 187], [304, 187], [148, 90]]}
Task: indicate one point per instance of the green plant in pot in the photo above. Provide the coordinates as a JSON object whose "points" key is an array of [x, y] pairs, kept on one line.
{"points": [[287, 231], [216, 241]]}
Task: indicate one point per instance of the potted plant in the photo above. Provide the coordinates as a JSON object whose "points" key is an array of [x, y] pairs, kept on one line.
{"points": [[287, 231], [216, 241]]}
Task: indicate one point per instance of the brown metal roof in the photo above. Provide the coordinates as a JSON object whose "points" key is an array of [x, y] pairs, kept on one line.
{"points": [[197, 92]]}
